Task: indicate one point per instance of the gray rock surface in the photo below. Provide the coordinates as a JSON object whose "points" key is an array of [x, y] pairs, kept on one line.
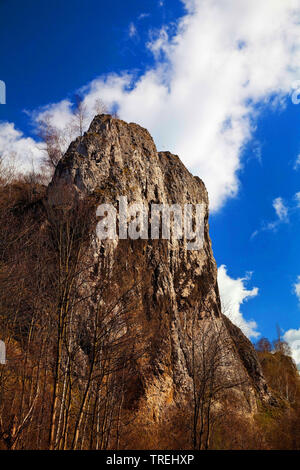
{"points": [[114, 159]]}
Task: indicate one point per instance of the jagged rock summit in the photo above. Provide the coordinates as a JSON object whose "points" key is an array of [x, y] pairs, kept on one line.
{"points": [[175, 285]]}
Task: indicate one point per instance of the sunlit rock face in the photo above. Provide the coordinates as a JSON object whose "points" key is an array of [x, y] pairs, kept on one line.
{"points": [[176, 291]]}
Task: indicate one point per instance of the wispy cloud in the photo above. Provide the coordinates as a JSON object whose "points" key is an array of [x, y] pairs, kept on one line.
{"points": [[284, 210], [297, 198], [143, 16], [15, 148], [296, 288], [234, 293], [282, 213], [132, 30], [292, 337], [280, 209], [297, 163]]}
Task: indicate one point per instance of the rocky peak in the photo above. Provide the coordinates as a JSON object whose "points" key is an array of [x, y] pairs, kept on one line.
{"points": [[114, 159]]}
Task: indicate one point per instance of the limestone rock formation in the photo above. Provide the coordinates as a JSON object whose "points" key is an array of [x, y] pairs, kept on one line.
{"points": [[115, 159]]}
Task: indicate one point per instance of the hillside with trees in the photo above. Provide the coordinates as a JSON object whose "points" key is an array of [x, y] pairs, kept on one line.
{"points": [[124, 345]]}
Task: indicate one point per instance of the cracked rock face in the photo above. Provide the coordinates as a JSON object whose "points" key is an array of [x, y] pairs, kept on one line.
{"points": [[115, 159]]}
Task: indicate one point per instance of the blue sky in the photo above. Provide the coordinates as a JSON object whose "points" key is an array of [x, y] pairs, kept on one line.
{"points": [[212, 81], [51, 49]]}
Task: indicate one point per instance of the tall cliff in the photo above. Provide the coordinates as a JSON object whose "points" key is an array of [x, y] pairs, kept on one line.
{"points": [[177, 294]]}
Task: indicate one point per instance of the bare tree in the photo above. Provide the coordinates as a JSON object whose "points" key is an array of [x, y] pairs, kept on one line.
{"points": [[79, 120], [263, 345], [280, 345], [212, 376], [90, 354], [56, 140], [100, 107], [7, 169]]}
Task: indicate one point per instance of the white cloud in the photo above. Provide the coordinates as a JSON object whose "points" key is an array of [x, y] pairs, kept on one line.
{"points": [[280, 209], [132, 30], [143, 16], [297, 162], [292, 337], [282, 213], [224, 61], [296, 288], [234, 293], [23, 152], [60, 113], [159, 42], [199, 99], [297, 198]]}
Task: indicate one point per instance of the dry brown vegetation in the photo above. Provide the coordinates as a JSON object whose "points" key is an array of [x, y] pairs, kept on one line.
{"points": [[67, 372], [63, 384]]}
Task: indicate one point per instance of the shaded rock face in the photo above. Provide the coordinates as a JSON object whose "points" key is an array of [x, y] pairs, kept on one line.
{"points": [[174, 284]]}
